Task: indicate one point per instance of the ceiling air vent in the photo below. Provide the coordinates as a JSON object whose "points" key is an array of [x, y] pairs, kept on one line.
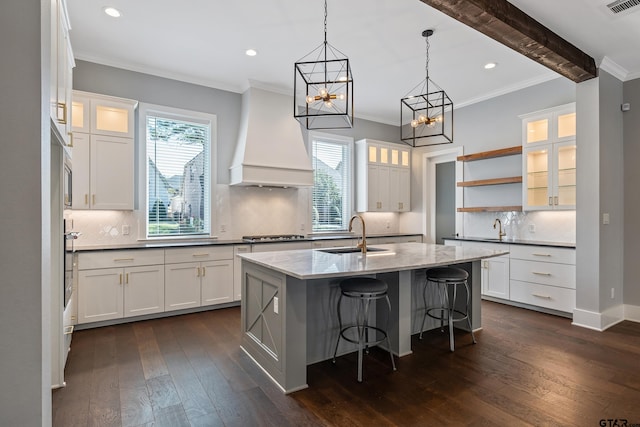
{"points": [[623, 5]]}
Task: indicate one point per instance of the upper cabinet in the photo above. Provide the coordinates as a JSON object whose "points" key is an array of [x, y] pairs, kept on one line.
{"points": [[383, 177], [549, 159], [61, 76], [103, 164]]}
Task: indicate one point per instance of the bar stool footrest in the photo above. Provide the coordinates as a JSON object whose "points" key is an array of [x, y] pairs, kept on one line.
{"points": [[365, 343]]}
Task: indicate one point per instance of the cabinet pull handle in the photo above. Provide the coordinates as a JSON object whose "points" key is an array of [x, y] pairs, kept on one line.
{"points": [[539, 254], [122, 259], [126, 280], [93, 199], [68, 330], [555, 200], [62, 120], [204, 271], [541, 296], [201, 254], [120, 279], [70, 140], [86, 199], [550, 201], [198, 272], [246, 249], [541, 274]]}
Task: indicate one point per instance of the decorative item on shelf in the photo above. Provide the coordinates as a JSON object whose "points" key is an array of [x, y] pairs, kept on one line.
{"points": [[323, 87], [426, 112]]}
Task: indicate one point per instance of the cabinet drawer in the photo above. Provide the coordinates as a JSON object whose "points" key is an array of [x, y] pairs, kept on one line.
{"points": [[206, 253], [544, 254], [108, 259], [552, 297], [331, 243], [485, 245], [545, 273]]}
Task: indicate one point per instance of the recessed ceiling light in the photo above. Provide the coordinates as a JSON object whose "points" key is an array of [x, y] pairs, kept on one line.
{"points": [[251, 52], [490, 65], [112, 12]]}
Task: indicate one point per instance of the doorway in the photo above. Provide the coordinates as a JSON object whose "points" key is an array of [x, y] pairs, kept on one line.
{"points": [[441, 196]]}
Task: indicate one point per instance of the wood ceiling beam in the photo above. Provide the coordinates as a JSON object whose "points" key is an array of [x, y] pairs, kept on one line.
{"points": [[510, 26]]}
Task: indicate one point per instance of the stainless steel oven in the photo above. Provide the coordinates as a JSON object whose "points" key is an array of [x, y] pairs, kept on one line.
{"points": [[68, 238], [67, 182]]}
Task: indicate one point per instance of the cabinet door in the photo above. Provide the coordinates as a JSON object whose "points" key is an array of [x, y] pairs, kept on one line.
{"points": [[112, 118], [80, 113], [399, 190], [111, 172], [537, 178], [237, 270], [182, 286], [378, 188], [495, 277], [217, 282], [100, 294], [143, 290], [80, 177], [565, 175]]}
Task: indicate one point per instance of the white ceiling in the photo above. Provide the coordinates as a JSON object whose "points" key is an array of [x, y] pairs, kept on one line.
{"points": [[203, 42]]}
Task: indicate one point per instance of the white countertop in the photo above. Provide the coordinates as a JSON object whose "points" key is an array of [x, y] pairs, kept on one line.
{"points": [[316, 264]]}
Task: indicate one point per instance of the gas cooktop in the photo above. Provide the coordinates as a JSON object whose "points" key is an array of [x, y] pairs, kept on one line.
{"points": [[273, 238]]}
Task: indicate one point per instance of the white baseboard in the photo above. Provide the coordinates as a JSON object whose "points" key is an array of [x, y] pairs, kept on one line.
{"points": [[632, 313], [600, 321]]}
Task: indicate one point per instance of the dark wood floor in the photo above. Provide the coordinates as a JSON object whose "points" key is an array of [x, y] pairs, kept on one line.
{"points": [[528, 368]]}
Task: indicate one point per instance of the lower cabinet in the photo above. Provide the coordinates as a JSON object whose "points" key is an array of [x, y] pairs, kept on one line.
{"points": [[115, 292], [198, 276]]}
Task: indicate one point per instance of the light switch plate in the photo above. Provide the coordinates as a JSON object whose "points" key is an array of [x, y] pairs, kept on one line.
{"points": [[275, 305], [605, 218]]}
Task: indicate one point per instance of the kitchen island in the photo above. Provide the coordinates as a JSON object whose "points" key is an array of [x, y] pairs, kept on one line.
{"points": [[289, 300]]}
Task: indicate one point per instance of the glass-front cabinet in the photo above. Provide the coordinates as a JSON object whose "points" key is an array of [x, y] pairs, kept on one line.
{"points": [[549, 159]]}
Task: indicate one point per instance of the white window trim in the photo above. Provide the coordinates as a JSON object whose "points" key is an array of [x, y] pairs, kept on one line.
{"points": [[345, 140], [145, 109]]}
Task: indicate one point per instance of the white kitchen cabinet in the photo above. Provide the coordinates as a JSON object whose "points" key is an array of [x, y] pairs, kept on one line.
{"points": [[198, 276], [117, 284], [543, 276], [383, 177], [334, 243], [104, 152], [61, 76], [237, 270], [549, 159], [279, 246], [495, 270], [394, 239]]}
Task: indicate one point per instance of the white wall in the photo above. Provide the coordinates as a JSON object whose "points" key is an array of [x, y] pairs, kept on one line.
{"points": [[632, 196], [25, 371]]}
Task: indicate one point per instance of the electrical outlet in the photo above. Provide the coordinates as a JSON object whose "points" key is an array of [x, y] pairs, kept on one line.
{"points": [[223, 228], [275, 305], [605, 218], [126, 229], [302, 227], [388, 224], [532, 228]]}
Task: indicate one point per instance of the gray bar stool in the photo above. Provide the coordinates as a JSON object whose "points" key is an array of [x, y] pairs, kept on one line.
{"points": [[364, 290], [446, 279]]}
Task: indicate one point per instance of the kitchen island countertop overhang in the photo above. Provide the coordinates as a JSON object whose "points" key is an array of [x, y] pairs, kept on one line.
{"points": [[288, 302]]}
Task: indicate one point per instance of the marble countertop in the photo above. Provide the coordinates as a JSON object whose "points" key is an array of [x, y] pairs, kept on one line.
{"points": [[158, 244], [317, 264], [515, 241]]}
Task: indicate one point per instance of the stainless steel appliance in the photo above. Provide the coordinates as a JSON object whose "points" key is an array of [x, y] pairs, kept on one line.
{"points": [[67, 182], [273, 238], [68, 238]]}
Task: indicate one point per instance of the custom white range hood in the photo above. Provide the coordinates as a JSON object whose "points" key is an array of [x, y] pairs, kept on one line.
{"points": [[270, 149]]}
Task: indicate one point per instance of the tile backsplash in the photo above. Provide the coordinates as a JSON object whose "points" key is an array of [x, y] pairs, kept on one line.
{"points": [[240, 211], [549, 226]]}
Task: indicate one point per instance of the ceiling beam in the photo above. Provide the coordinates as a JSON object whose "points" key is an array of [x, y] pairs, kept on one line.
{"points": [[510, 26]]}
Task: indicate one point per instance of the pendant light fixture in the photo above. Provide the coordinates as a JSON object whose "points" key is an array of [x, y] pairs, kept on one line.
{"points": [[426, 112], [323, 87]]}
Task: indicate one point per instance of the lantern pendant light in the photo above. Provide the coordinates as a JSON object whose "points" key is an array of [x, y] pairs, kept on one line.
{"points": [[323, 87], [426, 112]]}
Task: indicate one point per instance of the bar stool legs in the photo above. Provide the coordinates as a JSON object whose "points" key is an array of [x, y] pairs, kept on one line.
{"points": [[447, 278], [364, 290]]}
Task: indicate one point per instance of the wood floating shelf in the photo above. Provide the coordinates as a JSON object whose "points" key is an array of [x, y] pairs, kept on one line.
{"points": [[492, 181], [492, 209], [511, 151]]}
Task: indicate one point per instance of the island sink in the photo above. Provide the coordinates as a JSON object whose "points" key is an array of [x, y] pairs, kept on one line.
{"points": [[350, 250]]}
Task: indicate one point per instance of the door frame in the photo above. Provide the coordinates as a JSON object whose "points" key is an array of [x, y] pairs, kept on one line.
{"points": [[429, 161]]}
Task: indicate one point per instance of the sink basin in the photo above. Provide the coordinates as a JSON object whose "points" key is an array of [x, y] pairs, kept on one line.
{"points": [[349, 250]]}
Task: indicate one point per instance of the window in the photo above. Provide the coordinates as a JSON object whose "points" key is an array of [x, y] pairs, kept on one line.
{"points": [[333, 178], [179, 170]]}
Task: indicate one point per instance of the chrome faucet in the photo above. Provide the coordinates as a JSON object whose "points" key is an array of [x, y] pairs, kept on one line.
{"points": [[362, 245], [501, 233]]}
